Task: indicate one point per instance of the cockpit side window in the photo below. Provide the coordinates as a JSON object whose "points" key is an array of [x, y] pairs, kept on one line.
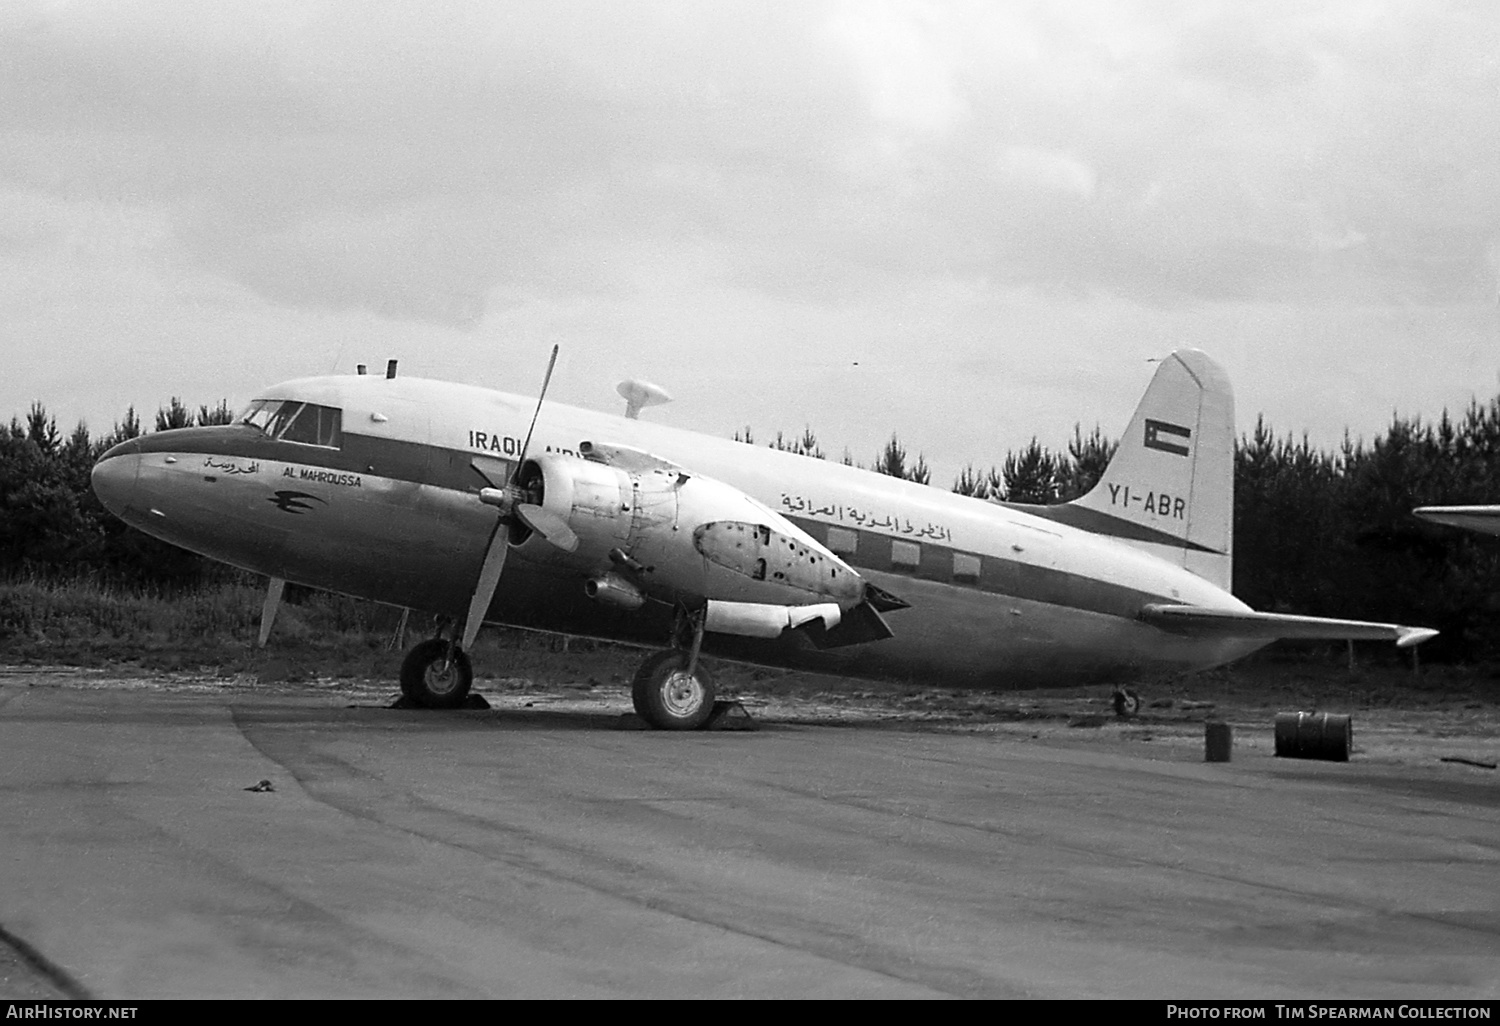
{"points": [[258, 413], [290, 421], [282, 421]]}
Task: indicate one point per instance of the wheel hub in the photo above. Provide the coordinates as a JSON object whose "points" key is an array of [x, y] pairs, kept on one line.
{"points": [[682, 694], [441, 676]]}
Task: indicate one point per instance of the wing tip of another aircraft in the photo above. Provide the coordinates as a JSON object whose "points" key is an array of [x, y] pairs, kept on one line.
{"points": [[1407, 637], [1484, 519]]}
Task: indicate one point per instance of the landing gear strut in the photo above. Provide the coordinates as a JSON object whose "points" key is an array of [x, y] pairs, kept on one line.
{"points": [[672, 691], [436, 674], [1127, 703]]}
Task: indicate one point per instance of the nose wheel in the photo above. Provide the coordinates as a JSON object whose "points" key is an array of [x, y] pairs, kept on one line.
{"points": [[436, 674]]}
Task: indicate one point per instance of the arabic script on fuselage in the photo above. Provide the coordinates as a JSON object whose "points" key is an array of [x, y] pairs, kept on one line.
{"points": [[869, 519], [230, 467]]}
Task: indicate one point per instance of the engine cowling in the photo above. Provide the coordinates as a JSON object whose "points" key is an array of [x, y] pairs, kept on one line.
{"points": [[680, 536]]}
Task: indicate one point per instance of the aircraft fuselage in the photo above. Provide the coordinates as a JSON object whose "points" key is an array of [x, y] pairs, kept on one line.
{"points": [[386, 509]]}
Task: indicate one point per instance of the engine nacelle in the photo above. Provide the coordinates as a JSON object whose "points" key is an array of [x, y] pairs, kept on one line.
{"points": [[679, 536], [760, 620]]}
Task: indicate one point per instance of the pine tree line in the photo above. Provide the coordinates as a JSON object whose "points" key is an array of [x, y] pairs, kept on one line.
{"points": [[1319, 532], [52, 524]]}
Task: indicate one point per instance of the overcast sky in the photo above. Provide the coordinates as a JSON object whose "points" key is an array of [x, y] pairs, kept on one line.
{"points": [[968, 223]]}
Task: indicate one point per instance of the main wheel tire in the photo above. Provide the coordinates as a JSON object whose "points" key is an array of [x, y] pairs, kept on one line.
{"points": [[433, 681], [1127, 703], [667, 697]]}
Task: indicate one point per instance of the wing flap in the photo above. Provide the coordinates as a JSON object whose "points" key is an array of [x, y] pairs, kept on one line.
{"points": [[859, 626], [1235, 623]]}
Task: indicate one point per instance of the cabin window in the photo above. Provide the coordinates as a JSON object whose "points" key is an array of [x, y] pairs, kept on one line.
{"points": [[842, 540], [965, 567], [906, 555], [289, 421]]}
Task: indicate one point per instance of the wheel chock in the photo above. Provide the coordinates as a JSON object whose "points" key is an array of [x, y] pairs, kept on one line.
{"points": [[725, 716], [473, 700], [730, 716]]}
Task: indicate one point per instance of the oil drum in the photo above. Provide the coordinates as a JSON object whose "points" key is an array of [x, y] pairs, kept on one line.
{"points": [[1304, 735], [1217, 741]]}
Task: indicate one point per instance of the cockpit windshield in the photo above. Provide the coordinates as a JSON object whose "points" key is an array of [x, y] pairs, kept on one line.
{"points": [[287, 420]]}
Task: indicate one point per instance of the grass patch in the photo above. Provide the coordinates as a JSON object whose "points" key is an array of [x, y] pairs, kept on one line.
{"points": [[86, 622]]}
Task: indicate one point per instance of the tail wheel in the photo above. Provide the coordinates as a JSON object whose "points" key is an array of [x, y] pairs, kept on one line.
{"points": [[668, 697], [1127, 703], [434, 679]]}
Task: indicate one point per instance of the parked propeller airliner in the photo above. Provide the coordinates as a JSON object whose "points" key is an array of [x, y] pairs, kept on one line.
{"points": [[439, 497]]}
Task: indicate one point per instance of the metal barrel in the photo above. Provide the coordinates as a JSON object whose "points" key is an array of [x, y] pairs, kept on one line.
{"points": [[1303, 735], [1217, 741]]}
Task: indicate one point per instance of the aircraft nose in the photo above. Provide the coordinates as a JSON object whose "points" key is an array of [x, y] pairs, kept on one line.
{"points": [[114, 476]]}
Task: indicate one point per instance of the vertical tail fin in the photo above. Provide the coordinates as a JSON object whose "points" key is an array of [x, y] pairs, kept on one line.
{"points": [[1170, 487]]}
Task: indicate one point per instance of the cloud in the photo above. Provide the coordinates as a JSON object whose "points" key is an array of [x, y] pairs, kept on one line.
{"points": [[436, 162], [903, 56], [1047, 169]]}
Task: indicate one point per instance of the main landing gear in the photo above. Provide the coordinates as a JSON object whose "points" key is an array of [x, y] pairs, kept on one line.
{"points": [[436, 674], [672, 689]]}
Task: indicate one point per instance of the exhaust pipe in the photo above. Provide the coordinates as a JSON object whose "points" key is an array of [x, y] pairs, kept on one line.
{"points": [[614, 590]]}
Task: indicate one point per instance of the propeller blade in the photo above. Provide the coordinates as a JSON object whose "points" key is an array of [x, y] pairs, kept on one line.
{"points": [[546, 380], [268, 610], [549, 525], [489, 578]]}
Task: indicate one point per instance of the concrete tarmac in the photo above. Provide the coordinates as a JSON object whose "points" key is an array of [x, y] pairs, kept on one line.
{"points": [[530, 853]]}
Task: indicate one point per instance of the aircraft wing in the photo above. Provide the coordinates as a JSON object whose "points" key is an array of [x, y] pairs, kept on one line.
{"points": [[1234, 623], [1475, 518]]}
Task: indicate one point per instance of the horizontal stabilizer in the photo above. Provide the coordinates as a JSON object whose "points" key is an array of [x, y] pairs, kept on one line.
{"points": [[1474, 518], [1234, 623]]}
